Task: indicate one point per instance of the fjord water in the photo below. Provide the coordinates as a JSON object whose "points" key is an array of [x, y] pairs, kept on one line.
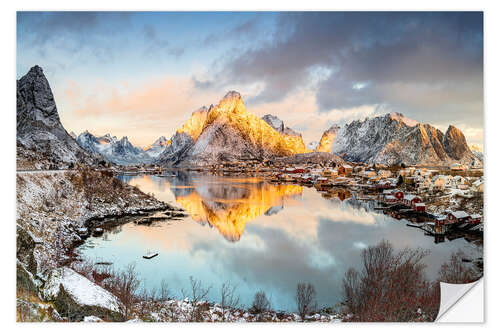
{"points": [[258, 236]]}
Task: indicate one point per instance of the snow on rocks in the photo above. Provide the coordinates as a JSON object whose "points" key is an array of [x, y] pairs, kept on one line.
{"points": [[185, 311], [69, 289]]}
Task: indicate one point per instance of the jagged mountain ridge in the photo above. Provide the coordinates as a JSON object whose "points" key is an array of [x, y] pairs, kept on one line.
{"points": [[393, 139], [120, 151], [228, 132], [39, 128]]}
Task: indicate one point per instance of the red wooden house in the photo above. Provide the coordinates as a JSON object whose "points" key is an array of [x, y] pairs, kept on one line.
{"points": [[399, 195], [410, 200], [458, 217], [419, 207]]}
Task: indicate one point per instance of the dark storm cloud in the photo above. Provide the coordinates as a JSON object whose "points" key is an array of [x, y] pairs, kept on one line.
{"points": [[422, 62]]}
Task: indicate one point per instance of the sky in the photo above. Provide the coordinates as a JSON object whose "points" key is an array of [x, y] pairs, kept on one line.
{"points": [[142, 74]]}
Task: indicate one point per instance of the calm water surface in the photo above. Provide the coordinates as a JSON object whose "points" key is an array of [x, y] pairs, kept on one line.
{"points": [[259, 236]]}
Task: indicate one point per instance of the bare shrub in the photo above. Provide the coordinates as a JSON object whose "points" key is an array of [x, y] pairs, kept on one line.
{"points": [[260, 303], [124, 285], [305, 299], [199, 295], [228, 297], [165, 292], [391, 286], [456, 271]]}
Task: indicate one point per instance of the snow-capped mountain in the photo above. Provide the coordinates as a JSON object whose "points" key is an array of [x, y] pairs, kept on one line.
{"points": [[325, 144], [279, 126], [117, 151], [394, 139], [157, 147], [39, 129], [228, 132]]}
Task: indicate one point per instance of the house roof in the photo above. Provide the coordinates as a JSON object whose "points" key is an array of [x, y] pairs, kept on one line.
{"points": [[460, 214], [409, 197]]}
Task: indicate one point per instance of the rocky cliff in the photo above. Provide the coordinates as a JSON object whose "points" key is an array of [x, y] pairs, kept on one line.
{"points": [[39, 129]]}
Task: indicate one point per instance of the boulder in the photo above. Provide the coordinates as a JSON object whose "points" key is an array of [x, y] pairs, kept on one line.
{"points": [[77, 297]]}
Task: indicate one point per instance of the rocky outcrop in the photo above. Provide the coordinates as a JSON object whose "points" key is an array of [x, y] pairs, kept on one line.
{"points": [[394, 139], [326, 142], [76, 297], [227, 132], [39, 128]]}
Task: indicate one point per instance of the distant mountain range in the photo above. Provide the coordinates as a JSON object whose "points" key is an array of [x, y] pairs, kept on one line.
{"points": [[227, 132], [120, 151], [394, 139]]}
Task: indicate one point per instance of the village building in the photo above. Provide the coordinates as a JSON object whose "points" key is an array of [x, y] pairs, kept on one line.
{"points": [[345, 169], [458, 217], [411, 199]]}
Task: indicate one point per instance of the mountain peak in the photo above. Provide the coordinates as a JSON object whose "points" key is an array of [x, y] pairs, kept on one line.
{"points": [[401, 117], [36, 69], [232, 94]]}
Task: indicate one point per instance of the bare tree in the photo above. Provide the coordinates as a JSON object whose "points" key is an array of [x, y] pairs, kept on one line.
{"points": [[305, 299], [456, 271], [260, 303], [165, 291], [228, 297], [199, 294], [391, 286], [125, 287]]}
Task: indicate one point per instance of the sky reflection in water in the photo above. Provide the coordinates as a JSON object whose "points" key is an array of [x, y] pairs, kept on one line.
{"points": [[259, 236]]}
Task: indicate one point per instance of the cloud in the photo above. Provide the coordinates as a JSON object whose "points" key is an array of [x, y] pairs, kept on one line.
{"points": [[70, 31], [156, 44], [142, 110], [426, 65]]}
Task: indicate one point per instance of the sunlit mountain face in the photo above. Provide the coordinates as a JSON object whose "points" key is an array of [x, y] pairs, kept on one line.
{"points": [[230, 206], [231, 112], [326, 142]]}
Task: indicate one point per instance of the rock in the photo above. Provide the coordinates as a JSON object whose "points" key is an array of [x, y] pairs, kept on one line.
{"points": [[83, 231], [135, 320], [76, 297], [39, 128], [92, 319], [25, 244], [97, 232], [36, 312]]}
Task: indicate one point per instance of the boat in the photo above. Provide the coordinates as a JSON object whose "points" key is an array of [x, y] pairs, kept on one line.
{"points": [[150, 255]]}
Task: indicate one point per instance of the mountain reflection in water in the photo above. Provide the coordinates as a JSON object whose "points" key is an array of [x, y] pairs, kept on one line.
{"points": [[259, 236]]}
